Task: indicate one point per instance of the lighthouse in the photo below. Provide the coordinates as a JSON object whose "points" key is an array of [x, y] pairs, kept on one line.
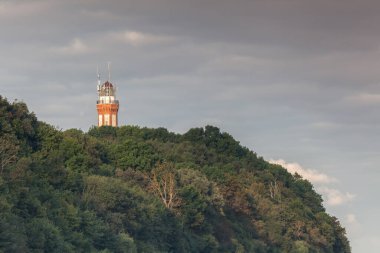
{"points": [[107, 105]]}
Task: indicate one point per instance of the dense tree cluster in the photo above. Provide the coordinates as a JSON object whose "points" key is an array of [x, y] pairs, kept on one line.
{"points": [[132, 189]]}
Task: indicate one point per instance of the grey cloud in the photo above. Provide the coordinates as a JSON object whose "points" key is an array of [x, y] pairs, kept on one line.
{"points": [[288, 78]]}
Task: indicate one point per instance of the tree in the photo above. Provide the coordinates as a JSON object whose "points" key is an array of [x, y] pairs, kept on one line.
{"points": [[163, 183], [300, 247], [275, 190], [8, 152]]}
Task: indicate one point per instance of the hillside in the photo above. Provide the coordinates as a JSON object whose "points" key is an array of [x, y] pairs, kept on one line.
{"points": [[132, 189]]}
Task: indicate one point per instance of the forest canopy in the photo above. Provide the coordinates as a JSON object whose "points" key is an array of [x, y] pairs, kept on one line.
{"points": [[138, 189]]}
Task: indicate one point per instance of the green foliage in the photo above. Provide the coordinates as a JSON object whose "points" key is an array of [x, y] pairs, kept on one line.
{"points": [[133, 189], [134, 154]]}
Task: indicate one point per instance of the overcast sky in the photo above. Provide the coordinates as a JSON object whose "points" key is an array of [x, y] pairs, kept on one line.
{"points": [[296, 81]]}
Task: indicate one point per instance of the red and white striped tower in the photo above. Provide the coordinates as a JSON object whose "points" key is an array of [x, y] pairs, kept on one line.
{"points": [[107, 105]]}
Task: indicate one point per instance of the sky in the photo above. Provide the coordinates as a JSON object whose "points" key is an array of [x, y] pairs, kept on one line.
{"points": [[296, 81]]}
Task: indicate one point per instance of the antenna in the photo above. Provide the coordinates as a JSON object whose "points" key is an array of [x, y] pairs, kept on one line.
{"points": [[109, 71], [97, 74]]}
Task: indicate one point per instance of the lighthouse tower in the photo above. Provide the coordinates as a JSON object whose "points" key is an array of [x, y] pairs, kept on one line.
{"points": [[107, 105]]}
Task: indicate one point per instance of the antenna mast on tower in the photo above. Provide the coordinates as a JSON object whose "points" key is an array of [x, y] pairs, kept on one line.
{"points": [[98, 75], [109, 71]]}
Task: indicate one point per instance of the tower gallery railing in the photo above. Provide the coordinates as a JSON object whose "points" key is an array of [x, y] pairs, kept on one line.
{"points": [[109, 102]]}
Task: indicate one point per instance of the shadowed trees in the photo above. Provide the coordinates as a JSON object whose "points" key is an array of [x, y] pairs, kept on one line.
{"points": [[132, 189]]}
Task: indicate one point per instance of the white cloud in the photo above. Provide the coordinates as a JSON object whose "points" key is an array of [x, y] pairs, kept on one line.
{"points": [[14, 10], [135, 38], [130, 37], [353, 226], [233, 63], [351, 218], [332, 196], [312, 175], [325, 125], [364, 99], [76, 46]]}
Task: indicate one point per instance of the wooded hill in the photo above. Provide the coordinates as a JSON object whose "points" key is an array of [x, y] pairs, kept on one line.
{"points": [[132, 189]]}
